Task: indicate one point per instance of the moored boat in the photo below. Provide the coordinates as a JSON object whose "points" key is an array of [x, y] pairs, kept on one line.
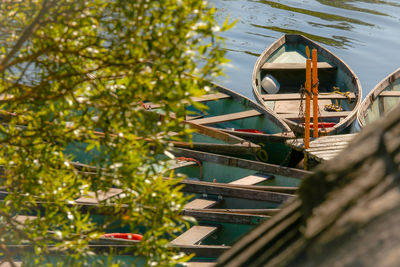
{"points": [[235, 114], [381, 100], [279, 76]]}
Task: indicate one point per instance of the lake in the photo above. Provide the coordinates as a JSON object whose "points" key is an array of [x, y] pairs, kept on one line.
{"points": [[363, 33]]}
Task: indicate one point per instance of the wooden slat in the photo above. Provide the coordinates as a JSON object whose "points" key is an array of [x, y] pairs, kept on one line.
{"points": [[324, 148], [176, 164], [210, 97], [323, 115], [101, 196], [200, 264], [297, 96], [194, 235], [293, 66], [227, 117], [200, 203], [390, 93], [204, 98], [250, 180]]}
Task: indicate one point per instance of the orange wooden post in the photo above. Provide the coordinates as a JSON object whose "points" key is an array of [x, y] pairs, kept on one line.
{"points": [[315, 91], [308, 101]]}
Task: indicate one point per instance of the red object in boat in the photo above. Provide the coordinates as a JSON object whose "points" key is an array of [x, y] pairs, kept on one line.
{"points": [[249, 131], [128, 236], [324, 124]]}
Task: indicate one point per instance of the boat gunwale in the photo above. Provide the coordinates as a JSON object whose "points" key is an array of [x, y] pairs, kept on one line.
{"points": [[332, 58], [374, 95], [256, 106]]}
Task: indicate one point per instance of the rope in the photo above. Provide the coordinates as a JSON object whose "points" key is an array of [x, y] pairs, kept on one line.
{"points": [[336, 90], [193, 160]]}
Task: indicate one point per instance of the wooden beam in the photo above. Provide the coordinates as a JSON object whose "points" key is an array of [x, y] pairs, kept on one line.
{"points": [[250, 180], [294, 66], [227, 190], [194, 235], [210, 97], [101, 196], [227, 117], [226, 217], [204, 98], [297, 96], [200, 203], [390, 93]]}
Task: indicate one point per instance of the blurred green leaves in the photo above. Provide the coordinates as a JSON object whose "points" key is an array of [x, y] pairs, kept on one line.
{"points": [[73, 79]]}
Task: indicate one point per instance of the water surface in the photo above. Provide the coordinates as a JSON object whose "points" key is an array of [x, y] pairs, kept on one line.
{"points": [[363, 33]]}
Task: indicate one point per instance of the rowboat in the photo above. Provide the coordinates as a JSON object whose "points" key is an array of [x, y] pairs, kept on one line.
{"points": [[237, 115], [279, 75], [381, 100], [212, 235]]}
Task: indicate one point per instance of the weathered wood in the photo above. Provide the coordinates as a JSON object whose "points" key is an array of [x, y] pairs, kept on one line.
{"points": [[294, 66], [200, 203], [231, 191], [250, 180], [297, 96], [176, 164], [194, 235], [210, 97], [204, 98], [228, 117], [349, 210], [100, 196], [390, 93], [242, 163], [226, 217], [267, 212], [262, 138], [323, 148], [200, 264]]}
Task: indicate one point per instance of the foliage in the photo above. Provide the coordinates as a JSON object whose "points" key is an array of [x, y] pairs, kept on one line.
{"points": [[72, 68]]}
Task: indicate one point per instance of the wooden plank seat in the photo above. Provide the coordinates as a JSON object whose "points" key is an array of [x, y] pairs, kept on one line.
{"points": [[210, 97], [294, 66], [250, 180], [297, 96], [323, 115], [194, 235], [101, 196], [390, 93], [227, 117], [200, 203], [203, 98]]}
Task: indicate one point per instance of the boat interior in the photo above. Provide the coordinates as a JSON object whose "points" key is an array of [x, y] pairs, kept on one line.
{"points": [[287, 65]]}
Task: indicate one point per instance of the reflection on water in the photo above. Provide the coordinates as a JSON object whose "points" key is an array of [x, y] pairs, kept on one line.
{"points": [[364, 33], [338, 41], [321, 15], [345, 4]]}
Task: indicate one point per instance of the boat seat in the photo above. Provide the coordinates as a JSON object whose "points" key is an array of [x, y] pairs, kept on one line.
{"points": [[323, 115], [204, 98], [194, 235], [297, 96], [227, 117], [294, 66], [101, 196], [200, 203], [390, 93], [250, 180], [210, 97]]}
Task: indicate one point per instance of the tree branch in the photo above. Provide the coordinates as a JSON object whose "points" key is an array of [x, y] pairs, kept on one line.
{"points": [[26, 35]]}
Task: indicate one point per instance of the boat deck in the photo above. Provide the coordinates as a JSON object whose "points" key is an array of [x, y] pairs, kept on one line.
{"points": [[324, 148]]}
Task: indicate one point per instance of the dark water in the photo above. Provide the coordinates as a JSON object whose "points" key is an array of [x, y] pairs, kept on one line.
{"points": [[363, 33]]}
